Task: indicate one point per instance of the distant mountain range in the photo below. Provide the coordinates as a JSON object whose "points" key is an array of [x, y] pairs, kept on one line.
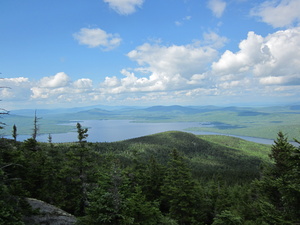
{"points": [[173, 109], [262, 122]]}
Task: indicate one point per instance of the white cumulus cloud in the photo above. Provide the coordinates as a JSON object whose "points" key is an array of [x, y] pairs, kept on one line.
{"points": [[281, 80], [13, 82], [97, 38], [217, 7], [124, 7], [241, 61], [163, 69], [185, 60], [281, 13], [58, 80], [83, 83], [214, 40], [264, 66], [14, 88], [111, 81], [61, 88], [275, 58]]}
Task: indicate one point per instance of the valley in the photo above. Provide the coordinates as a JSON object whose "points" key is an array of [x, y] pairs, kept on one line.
{"points": [[259, 122]]}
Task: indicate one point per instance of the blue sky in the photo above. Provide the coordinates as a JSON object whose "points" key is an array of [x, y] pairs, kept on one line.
{"points": [[65, 53]]}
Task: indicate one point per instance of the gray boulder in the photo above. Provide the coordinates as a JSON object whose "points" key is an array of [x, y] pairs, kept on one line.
{"points": [[48, 214]]}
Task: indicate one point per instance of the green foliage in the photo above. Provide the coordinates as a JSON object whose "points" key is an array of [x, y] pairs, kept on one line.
{"points": [[180, 194], [141, 210], [14, 132], [82, 133], [279, 187], [107, 201], [262, 125], [206, 159], [246, 148], [10, 214], [169, 178], [153, 179], [30, 144], [281, 154], [78, 173], [227, 218], [11, 211]]}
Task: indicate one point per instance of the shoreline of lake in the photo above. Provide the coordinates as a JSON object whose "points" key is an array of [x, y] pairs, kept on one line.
{"points": [[118, 130]]}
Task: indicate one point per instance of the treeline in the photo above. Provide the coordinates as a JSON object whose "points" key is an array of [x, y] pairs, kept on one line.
{"points": [[170, 178]]}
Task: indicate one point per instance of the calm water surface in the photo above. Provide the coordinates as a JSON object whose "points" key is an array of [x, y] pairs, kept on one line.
{"points": [[117, 130]]}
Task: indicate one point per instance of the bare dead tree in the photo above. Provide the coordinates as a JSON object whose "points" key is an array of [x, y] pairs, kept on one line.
{"points": [[35, 126], [3, 111]]}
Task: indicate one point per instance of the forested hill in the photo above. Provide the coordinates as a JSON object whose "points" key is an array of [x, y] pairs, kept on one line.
{"points": [[171, 178], [230, 157]]}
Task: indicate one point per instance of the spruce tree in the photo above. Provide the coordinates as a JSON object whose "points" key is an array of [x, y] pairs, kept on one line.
{"points": [[107, 201], [10, 212], [279, 186], [14, 132], [180, 194]]}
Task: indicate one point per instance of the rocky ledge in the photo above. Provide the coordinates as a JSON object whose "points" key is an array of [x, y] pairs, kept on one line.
{"points": [[48, 214]]}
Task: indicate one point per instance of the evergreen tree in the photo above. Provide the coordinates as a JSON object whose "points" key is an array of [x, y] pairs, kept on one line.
{"points": [[30, 144], [181, 196], [79, 174], [10, 210], [118, 201], [142, 211], [14, 132], [281, 155], [50, 139], [227, 218], [35, 126], [34, 172], [279, 186], [107, 201], [153, 179], [82, 134]]}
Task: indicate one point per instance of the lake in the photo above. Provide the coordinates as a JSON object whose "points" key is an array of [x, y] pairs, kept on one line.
{"points": [[117, 130]]}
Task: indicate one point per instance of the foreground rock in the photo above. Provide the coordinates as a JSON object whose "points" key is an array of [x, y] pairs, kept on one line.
{"points": [[48, 214]]}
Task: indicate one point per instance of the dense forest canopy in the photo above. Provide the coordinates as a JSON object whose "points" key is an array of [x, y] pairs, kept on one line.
{"points": [[166, 178]]}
